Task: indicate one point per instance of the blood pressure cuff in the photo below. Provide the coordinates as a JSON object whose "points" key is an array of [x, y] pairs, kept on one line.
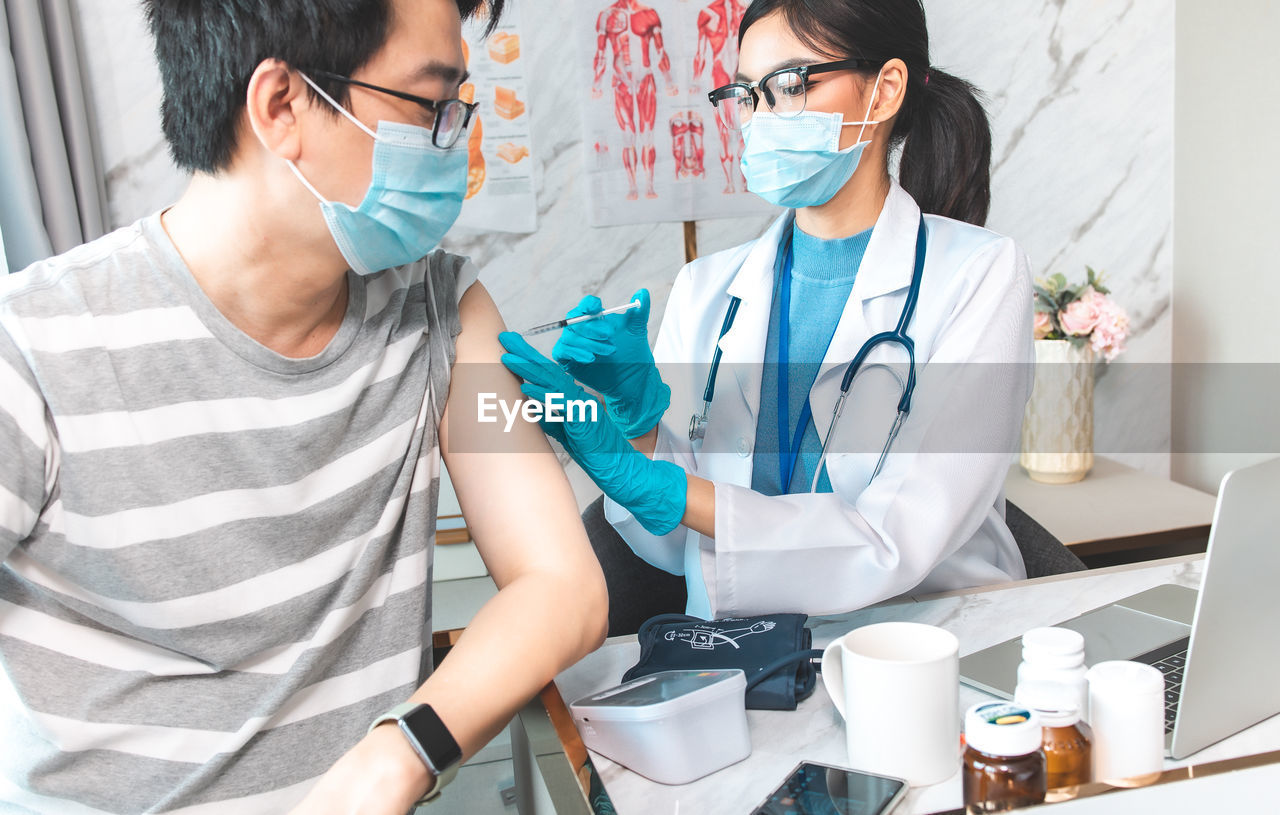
{"points": [[776, 644]]}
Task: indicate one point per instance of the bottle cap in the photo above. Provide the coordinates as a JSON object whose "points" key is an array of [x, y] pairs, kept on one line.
{"points": [[1123, 678], [1057, 704], [1060, 647], [1002, 729]]}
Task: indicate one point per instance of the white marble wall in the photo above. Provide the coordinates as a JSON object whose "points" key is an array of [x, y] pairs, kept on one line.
{"points": [[125, 89], [1081, 99]]}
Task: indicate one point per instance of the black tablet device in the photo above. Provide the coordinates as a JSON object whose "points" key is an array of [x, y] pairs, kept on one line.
{"points": [[819, 789]]}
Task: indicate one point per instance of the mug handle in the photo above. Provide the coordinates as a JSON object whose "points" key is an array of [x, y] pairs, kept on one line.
{"points": [[833, 673]]}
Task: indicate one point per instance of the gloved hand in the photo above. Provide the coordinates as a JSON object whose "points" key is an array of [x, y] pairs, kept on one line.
{"points": [[611, 356], [654, 491]]}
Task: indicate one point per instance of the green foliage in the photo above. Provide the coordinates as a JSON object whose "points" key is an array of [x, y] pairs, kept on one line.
{"points": [[1095, 280]]}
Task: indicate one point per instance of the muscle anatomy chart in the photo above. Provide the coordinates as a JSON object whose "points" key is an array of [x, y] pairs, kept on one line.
{"points": [[633, 33], [718, 47], [500, 182], [686, 143], [648, 65]]}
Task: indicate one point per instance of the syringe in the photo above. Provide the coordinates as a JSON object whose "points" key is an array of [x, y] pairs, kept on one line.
{"points": [[545, 327]]}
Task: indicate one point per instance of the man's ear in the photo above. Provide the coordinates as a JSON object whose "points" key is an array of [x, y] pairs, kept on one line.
{"points": [[893, 87], [276, 95]]}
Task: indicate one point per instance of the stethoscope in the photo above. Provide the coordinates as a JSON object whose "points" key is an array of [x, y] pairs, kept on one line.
{"points": [[698, 422]]}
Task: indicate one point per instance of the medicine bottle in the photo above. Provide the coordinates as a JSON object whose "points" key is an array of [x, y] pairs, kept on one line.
{"points": [[1068, 751], [1056, 655], [1004, 765]]}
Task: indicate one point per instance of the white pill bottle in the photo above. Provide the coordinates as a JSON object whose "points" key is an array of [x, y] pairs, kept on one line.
{"points": [[1056, 655]]}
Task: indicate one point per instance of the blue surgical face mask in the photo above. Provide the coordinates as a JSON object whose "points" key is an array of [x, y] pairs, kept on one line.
{"points": [[414, 196], [796, 161]]}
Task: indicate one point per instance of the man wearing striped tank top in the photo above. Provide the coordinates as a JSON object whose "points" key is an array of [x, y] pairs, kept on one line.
{"points": [[221, 441]]}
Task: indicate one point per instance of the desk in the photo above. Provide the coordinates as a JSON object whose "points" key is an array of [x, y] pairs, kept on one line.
{"points": [[781, 739], [1115, 509]]}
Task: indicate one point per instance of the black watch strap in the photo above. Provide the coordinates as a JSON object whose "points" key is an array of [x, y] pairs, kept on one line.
{"points": [[430, 739]]}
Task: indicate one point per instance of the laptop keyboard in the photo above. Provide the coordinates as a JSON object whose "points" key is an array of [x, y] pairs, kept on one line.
{"points": [[1171, 659]]}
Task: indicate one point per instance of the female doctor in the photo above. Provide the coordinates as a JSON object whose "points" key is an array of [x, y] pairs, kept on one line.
{"points": [[886, 291]]}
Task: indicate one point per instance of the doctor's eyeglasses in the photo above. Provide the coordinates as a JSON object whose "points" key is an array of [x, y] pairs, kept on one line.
{"points": [[446, 119], [784, 91]]}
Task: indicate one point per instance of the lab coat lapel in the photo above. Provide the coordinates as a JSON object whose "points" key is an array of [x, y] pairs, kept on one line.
{"points": [[744, 345], [886, 268]]}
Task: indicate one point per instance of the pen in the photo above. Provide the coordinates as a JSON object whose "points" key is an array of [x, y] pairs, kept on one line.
{"points": [[552, 326]]}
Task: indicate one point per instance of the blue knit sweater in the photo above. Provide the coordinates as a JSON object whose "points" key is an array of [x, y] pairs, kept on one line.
{"points": [[822, 277]]}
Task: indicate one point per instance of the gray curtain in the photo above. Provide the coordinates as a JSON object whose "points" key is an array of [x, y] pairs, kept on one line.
{"points": [[53, 196]]}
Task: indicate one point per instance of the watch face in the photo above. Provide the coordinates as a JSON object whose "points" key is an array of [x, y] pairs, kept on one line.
{"points": [[433, 737]]}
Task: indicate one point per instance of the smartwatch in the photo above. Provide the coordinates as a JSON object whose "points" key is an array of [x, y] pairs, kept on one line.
{"points": [[430, 739]]}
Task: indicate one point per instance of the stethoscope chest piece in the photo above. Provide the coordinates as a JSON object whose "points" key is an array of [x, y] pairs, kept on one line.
{"points": [[698, 423]]}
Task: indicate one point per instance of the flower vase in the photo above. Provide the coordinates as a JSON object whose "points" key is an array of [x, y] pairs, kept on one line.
{"points": [[1057, 430]]}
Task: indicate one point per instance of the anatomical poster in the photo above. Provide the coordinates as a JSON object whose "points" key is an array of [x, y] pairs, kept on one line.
{"points": [[500, 168], [655, 150]]}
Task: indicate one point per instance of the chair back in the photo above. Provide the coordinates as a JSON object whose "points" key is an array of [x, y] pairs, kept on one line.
{"points": [[637, 590], [1042, 553]]}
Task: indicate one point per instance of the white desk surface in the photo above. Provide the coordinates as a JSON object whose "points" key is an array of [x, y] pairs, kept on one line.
{"points": [[1113, 501], [980, 619]]}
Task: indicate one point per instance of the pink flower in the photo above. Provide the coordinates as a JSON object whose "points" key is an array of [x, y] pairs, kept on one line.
{"points": [[1111, 330], [1080, 316], [1043, 325]]}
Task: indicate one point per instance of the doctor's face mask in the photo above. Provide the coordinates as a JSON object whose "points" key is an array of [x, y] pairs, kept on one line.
{"points": [[414, 197], [795, 161]]}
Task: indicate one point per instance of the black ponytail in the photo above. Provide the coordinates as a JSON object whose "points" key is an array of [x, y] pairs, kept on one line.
{"points": [[946, 160], [942, 127]]}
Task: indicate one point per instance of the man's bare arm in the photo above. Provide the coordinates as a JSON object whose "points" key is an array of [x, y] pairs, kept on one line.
{"points": [[551, 608]]}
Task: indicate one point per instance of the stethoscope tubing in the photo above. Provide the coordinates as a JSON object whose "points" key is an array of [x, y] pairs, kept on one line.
{"points": [[698, 422]]}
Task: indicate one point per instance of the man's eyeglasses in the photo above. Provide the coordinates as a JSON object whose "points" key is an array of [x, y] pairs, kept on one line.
{"points": [[448, 118], [784, 91]]}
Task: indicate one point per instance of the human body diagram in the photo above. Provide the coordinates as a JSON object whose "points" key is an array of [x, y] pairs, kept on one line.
{"points": [[686, 144], [718, 47], [702, 639], [632, 32]]}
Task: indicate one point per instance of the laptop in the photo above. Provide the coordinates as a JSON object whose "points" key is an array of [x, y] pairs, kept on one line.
{"points": [[1217, 647]]}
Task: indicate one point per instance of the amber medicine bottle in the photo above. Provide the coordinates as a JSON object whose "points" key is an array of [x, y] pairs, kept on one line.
{"points": [[1004, 762], [1068, 752]]}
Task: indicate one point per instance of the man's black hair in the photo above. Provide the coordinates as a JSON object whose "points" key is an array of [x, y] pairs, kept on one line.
{"points": [[208, 49]]}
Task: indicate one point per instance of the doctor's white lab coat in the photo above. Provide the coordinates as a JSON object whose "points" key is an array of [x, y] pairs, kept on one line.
{"points": [[933, 519]]}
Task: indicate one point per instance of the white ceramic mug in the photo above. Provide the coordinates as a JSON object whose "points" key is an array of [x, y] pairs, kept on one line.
{"points": [[897, 687]]}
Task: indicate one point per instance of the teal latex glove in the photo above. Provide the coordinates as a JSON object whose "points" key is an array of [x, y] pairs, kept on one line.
{"points": [[653, 491], [611, 356]]}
